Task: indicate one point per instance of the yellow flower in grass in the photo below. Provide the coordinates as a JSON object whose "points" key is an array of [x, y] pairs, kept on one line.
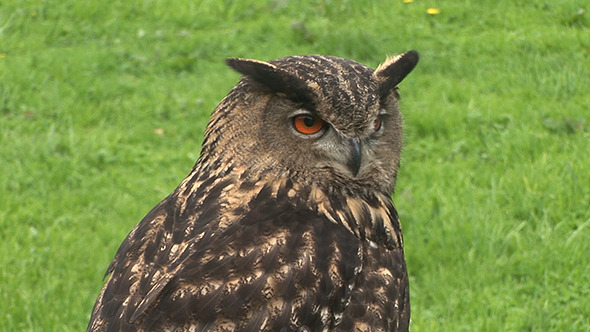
{"points": [[433, 11], [408, 1]]}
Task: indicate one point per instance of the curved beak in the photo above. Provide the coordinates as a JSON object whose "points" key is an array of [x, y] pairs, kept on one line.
{"points": [[355, 158]]}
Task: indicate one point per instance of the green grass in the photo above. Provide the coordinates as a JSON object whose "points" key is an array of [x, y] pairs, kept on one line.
{"points": [[103, 107]]}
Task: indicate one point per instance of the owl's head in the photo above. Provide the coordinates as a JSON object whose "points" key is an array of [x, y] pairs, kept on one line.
{"points": [[318, 119]]}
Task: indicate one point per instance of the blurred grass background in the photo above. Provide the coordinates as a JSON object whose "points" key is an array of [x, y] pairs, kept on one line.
{"points": [[103, 107]]}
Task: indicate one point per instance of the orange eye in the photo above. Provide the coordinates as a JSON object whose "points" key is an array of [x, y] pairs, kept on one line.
{"points": [[308, 124]]}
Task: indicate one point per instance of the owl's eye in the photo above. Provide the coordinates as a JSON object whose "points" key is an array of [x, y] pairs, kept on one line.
{"points": [[308, 124], [377, 124]]}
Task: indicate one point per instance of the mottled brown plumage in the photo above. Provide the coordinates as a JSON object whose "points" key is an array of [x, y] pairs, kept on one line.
{"points": [[285, 223]]}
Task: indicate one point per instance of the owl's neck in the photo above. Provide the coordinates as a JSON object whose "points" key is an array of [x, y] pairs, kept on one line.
{"points": [[371, 216]]}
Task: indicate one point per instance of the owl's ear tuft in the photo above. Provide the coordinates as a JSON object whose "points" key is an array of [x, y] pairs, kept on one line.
{"points": [[391, 72], [272, 77], [261, 71]]}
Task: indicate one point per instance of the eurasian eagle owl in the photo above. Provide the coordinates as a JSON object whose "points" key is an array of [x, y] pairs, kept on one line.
{"points": [[286, 221]]}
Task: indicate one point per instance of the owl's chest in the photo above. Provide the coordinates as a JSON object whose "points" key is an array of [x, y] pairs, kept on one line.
{"points": [[380, 298], [348, 284], [294, 265]]}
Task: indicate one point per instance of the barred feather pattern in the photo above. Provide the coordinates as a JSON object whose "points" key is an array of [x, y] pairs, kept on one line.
{"points": [[220, 262]]}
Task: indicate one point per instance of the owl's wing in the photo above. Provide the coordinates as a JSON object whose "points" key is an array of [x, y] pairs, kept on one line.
{"points": [[132, 272], [279, 266]]}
